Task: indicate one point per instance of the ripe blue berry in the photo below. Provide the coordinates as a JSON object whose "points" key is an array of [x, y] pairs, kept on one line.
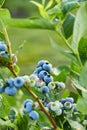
{"points": [[47, 66], [26, 101], [10, 81], [40, 63], [70, 99], [44, 89], [3, 46], [33, 115], [2, 89], [37, 70], [63, 100], [28, 107], [48, 78], [10, 91], [18, 82], [4, 54], [42, 74]]}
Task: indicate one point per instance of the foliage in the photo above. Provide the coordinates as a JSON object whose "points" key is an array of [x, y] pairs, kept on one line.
{"points": [[55, 104]]}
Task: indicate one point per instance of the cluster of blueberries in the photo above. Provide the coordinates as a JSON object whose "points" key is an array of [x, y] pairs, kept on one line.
{"points": [[29, 107], [4, 53], [40, 79], [62, 107]]}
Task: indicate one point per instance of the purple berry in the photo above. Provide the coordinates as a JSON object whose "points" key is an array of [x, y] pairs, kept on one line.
{"points": [[18, 82], [10, 91], [45, 89], [33, 115]]}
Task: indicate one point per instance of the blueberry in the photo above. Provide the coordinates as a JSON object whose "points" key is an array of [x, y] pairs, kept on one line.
{"points": [[63, 100], [10, 81], [10, 91], [58, 112], [74, 107], [67, 105], [4, 54], [37, 70], [28, 107], [2, 89], [26, 101], [70, 99], [45, 89], [47, 66], [18, 82], [3, 46], [41, 62], [48, 78], [51, 85], [33, 115], [42, 74]]}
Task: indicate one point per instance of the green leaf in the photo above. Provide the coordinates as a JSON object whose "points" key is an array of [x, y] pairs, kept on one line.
{"points": [[83, 76], [61, 50], [82, 103], [68, 25], [49, 4], [4, 14], [80, 26], [4, 106], [22, 122], [67, 6], [41, 9], [61, 76], [38, 23], [82, 48], [1, 3], [75, 125], [5, 124]]}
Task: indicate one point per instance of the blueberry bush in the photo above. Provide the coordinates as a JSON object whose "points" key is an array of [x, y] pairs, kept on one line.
{"points": [[56, 96]]}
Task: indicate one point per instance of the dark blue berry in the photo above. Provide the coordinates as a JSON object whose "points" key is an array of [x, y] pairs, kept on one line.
{"points": [[4, 54], [69, 99], [45, 89]]}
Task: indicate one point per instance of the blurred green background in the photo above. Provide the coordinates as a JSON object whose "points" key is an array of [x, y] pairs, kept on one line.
{"points": [[31, 45]]}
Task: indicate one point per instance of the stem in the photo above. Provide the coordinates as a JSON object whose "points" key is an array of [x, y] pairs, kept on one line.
{"points": [[8, 42]]}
